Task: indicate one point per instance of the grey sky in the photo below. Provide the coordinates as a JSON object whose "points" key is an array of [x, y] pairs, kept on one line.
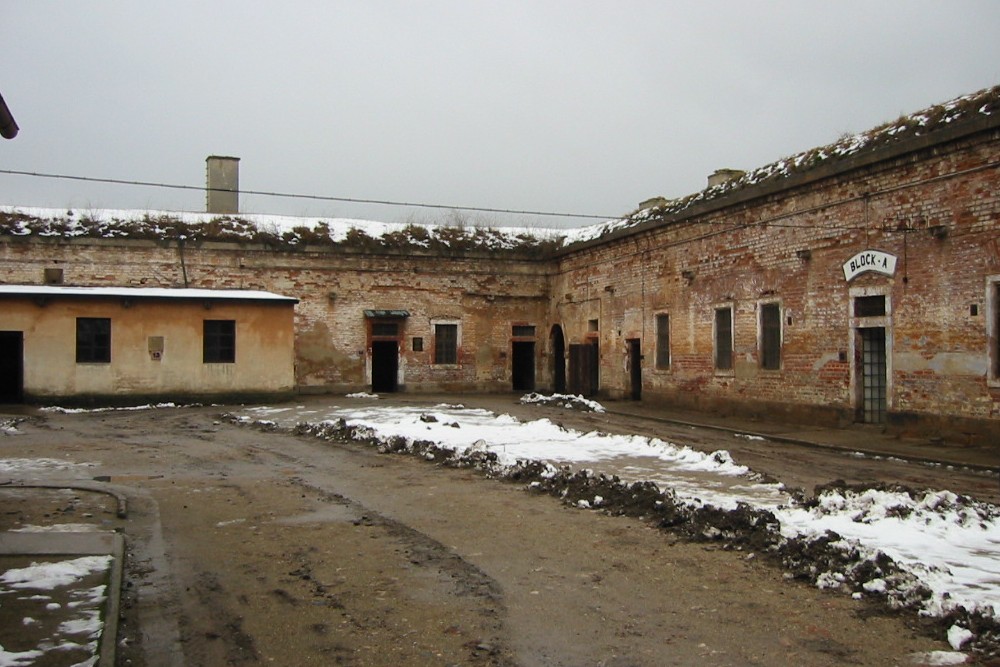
{"points": [[585, 107]]}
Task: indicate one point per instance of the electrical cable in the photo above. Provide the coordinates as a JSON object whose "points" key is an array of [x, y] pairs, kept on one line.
{"points": [[287, 195]]}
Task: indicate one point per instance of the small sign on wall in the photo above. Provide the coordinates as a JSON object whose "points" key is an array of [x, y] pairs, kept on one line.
{"points": [[870, 260], [155, 347]]}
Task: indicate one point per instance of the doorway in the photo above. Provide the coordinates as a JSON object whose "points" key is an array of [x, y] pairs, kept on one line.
{"points": [[523, 365], [385, 366], [11, 366], [558, 360], [583, 369], [635, 368], [872, 371]]}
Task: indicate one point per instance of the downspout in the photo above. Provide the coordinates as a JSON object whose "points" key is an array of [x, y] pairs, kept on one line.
{"points": [[180, 251]]}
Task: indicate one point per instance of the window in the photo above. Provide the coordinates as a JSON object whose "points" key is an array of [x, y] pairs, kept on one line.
{"points": [[592, 326], [993, 330], [418, 344], [523, 331], [93, 340], [390, 329], [445, 343], [663, 342], [996, 330], [220, 342], [724, 339], [770, 336], [869, 306]]}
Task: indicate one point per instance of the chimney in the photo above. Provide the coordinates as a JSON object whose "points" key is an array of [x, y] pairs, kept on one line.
{"points": [[222, 184], [723, 176]]}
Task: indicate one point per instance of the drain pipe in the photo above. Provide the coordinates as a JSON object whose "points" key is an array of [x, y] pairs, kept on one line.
{"points": [[180, 251]]}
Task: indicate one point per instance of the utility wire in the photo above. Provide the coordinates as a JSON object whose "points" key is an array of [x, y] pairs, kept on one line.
{"points": [[352, 200]]}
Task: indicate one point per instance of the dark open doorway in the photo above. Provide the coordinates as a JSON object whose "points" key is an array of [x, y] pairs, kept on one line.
{"points": [[635, 368], [385, 366], [11, 366], [558, 360], [523, 366]]}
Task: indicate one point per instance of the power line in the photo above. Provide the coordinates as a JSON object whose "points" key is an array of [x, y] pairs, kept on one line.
{"points": [[351, 200]]}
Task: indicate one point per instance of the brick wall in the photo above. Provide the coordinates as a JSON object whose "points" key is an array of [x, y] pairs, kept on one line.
{"points": [[936, 210], [334, 287]]}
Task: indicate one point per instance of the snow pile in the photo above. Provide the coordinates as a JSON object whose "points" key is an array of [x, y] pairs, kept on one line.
{"points": [[568, 401], [9, 426], [948, 542], [931, 552]]}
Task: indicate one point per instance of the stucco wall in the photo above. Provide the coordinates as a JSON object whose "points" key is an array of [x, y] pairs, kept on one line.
{"points": [[264, 353]]}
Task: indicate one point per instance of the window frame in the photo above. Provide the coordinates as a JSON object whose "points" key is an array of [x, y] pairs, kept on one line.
{"points": [[717, 353], [770, 359], [213, 350], [90, 350], [451, 358], [663, 359], [992, 317]]}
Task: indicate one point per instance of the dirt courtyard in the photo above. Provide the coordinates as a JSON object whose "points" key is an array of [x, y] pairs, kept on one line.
{"points": [[246, 547]]}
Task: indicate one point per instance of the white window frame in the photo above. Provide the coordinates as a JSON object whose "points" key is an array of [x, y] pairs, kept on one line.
{"points": [[992, 331]]}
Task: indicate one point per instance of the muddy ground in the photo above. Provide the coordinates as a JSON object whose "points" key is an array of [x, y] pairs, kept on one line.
{"points": [[247, 548]]}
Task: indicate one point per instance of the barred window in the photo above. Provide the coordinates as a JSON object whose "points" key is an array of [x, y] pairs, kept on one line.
{"points": [[770, 336], [93, 340], [663, 341], [445, 343], [219, 342], [724, 339]]}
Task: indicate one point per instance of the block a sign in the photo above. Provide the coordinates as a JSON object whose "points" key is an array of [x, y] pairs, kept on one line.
{"points": [[870, 260]]}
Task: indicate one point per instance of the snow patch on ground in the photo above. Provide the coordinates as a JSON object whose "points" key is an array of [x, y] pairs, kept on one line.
{"points": [[79, 625], [933, 551]]}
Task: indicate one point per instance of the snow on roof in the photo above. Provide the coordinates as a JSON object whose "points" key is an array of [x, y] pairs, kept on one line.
{"points": [[968, 107], [283, 230], [289, 231], [142, 293]]}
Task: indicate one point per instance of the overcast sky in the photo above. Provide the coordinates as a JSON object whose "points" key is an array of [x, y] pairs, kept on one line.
{"points": [[582, 107]]}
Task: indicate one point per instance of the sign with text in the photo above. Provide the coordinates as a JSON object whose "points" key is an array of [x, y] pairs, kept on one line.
{"points": [[870, 260]]}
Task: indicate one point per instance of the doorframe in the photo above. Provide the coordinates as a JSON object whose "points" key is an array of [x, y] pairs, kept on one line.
{"points": [[370, 324], [854, 347]]}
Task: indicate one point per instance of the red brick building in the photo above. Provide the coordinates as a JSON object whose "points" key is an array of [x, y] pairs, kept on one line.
{"points": [[857, 282]]}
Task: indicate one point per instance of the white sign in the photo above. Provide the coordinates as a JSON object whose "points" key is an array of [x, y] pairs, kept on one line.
{"points": [[869, 260]]}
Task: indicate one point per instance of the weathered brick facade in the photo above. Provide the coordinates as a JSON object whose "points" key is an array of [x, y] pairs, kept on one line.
{"points": [[934, 205], [485, 295], [679, 306]]}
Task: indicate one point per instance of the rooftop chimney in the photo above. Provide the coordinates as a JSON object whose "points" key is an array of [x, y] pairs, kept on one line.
{"points": [[8, 127], [722, 176], [222, 184]]}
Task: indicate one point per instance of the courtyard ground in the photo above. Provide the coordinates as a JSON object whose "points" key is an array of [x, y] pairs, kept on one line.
{"points": [[249, 547]]}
